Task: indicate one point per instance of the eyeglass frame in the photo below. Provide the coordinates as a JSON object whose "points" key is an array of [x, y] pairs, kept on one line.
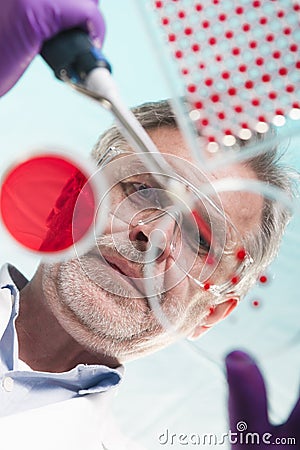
{"points": [[218, 291]]}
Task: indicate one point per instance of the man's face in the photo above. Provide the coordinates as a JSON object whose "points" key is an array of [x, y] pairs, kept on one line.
{"points": [[101, 298]]}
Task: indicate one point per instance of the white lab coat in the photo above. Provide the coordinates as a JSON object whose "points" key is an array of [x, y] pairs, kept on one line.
{"points": [[79, 423]]}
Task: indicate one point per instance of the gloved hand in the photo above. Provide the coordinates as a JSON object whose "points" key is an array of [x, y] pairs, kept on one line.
{"points": [[248, 409], [26, 24]]}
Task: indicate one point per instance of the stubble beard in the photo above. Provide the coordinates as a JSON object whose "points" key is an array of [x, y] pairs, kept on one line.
{"points": [[112, 323]]}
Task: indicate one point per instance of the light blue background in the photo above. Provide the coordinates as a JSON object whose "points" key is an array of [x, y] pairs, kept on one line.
{"points": [[181, 388]]}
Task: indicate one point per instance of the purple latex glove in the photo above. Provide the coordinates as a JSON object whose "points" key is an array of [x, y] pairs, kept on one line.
{"points": [[248, 405], [26, 24]]}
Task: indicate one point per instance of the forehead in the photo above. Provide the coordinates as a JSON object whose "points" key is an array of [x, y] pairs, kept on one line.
{"points": [[243, 207]]}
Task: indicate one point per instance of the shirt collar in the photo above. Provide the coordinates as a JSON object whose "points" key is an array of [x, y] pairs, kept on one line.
{"points": [[9, 275], [11, 279], [9, 301], [10, 282]]}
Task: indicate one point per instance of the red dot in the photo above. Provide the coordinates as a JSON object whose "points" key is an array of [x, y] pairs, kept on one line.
{"points": [[297, 65], [238, 109], [242, 68], [222, 17], [249, 84], [205, 122], [195, 47], [293, 48], [270, 37], [263, 20], [296, 105], [246, 27], [256, 4], [225, 75], [262, 118], [228, 132], [241, 254], [287, 31], [192, 88], [265, 78], [188, 31], [232, 91], [205, 24], [259, 61], [235, 279], [232, 299], [236, 51], [229, 34], [201, 66], [263, 279], [198, 7], [280, 14], [184, 71], [272, 95], [172, 37], [255, 303], [255, 102], [296, 7], [221, 115], [282, 71], [198, 105], [252, 44], [239, 10], [219, 58], [279, 112], [165, 21], [277, 54], [181, 14], [215, 98], [206, 286], [212, 41], [209, 259], [178, 54], [208, 81], [290, 88], [158, 4]]}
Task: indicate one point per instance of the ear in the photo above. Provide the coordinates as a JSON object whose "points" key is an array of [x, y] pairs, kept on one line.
{"points": [[215, 315]]}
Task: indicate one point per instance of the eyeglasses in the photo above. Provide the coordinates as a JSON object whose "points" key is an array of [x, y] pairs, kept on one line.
{"points": [[174, 216]]}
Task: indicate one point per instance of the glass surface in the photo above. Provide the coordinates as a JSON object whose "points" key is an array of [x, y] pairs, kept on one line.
{"points": [[181, 389]]}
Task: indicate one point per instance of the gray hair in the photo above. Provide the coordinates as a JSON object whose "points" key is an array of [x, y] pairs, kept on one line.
{"points": [[263, 245]]}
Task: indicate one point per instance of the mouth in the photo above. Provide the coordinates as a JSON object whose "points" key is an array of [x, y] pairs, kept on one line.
{"points": [[115, 267], [126, 274], [118, 272]]}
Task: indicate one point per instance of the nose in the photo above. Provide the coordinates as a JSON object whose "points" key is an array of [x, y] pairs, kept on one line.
{"points": [[159, 231]]}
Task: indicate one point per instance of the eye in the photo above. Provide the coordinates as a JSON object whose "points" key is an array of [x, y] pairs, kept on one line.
{"points": [[144, 190], [197, 241], [203, 244], [141, 193]]}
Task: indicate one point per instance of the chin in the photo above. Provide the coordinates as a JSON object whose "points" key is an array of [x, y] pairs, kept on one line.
{"points": [[105, 323]]}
